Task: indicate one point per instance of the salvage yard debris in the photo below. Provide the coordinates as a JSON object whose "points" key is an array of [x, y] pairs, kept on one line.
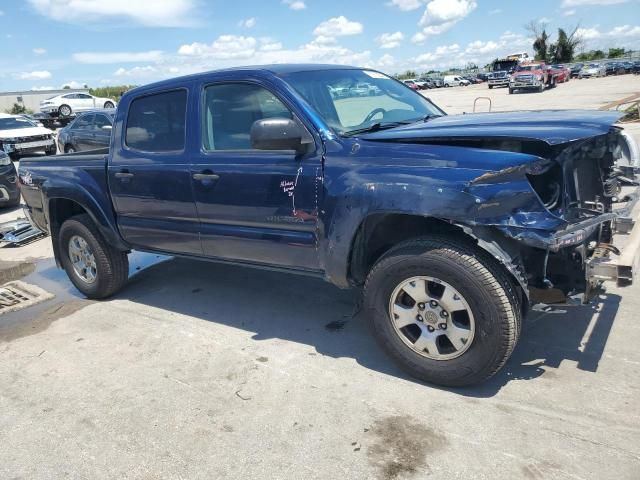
{"points": [[19, 232]]}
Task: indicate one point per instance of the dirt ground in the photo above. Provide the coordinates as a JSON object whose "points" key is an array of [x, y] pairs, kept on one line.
{"points": [[205, 371]]}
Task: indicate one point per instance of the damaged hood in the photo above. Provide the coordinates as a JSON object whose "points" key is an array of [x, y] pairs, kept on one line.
{"points": [[550, 126]]}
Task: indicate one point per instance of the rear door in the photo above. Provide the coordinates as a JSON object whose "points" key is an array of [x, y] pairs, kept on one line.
{"points": [[102, 126], [149, 174], [255, 206]]}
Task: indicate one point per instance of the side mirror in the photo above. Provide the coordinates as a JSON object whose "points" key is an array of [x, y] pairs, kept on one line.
{"points": [[279, 134], [107, 128]]}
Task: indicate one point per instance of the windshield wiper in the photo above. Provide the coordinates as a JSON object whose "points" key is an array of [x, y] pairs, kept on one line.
{"points": [[374, 128]]}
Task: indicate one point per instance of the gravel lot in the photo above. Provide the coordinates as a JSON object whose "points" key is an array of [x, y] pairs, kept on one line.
{"points": [[204, 371]]}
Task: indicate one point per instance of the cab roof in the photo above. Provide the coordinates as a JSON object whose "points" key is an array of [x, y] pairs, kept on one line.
{"points": [[255, 70]]}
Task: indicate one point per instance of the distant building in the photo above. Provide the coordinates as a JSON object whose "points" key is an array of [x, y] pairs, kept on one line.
{"points": [[31, 98]]}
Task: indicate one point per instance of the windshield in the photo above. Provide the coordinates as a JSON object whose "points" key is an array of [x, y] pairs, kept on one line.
{"points": [[15, 123], [504, 65], [333, 95]]}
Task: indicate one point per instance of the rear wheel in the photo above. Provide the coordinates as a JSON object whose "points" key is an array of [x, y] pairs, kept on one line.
{"points": [[96, 269], [108, 105], [444, 310], [69, 149]]}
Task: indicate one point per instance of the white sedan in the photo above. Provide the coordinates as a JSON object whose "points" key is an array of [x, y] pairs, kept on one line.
{"points": [[69, 103]]}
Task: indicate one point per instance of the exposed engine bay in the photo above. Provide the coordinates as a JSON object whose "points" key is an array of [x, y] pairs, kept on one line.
{"points": [[592, 186]]}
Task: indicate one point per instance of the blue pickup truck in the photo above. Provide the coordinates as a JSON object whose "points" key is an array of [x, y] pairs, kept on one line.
{"points": [[452, 226]]}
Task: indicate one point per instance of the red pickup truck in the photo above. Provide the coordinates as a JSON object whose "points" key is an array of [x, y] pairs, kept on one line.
{"points": [[532, 76]]}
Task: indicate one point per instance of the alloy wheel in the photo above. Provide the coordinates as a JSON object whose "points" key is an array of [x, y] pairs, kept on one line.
{"points": [[432, 318]]}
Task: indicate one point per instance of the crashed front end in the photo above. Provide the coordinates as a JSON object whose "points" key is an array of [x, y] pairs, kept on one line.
{"points": [[588, 191]]}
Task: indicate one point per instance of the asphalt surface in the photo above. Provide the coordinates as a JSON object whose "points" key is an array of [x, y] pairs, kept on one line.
{"points": [[197, 370]]}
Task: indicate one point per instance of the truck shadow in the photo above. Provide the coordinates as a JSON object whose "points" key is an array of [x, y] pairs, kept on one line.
{"points": [[309, 311]]}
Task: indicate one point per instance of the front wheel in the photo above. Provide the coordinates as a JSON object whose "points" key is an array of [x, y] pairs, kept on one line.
{"points": [[108, 105], [511, 90], [444, 310], [65, 111], [95, 268]]}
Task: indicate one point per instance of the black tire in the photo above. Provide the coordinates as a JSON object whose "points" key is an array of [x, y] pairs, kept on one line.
{"points": [[487, 288], [69, 148], [541, 89], [51, 151], [112, 265], [511, 90], [108, 105], [65, 111], [490, 87]]}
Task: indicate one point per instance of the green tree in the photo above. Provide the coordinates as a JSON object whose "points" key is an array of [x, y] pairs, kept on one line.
{"points": [[616, 52], [407, 74], [565, 46], [18, 109]]}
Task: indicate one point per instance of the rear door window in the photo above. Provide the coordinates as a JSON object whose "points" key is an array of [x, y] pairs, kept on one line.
{"points": [[156, 123]]}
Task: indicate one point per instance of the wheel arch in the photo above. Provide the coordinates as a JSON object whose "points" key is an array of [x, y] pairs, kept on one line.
{"points": [[379, 232], [61, 208]]}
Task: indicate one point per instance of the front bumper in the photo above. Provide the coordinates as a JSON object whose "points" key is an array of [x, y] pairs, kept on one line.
{"points": [[517, 84], [498, 82], [27, 146]]}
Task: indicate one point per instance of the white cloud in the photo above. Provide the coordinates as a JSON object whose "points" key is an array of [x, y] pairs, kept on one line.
{"points": [[295, 4], [568, 13], [625, 31], [441, 15], [588, 33], [579, 3], [35, 75], [163, 13], [439, 53], [544, 20], [48, 87], [480, 47], [268, 44], [117, 57], [39, 51], [224, 47], [406, 5], [337, 27], [248, 23], [390, 40], [73, 84], [137, 72]]}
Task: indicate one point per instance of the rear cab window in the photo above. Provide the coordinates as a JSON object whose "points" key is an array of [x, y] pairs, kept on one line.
{"points": [[156, 122]]}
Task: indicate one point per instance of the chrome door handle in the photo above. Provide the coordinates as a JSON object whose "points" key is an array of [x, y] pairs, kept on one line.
{"points": [[124, 176], [205, 177]]}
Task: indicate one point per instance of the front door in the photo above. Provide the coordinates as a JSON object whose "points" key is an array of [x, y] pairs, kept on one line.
{"points": [[254, 206], [149, 176]]}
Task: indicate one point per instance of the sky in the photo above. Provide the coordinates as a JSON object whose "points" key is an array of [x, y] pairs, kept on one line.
{"points": [[53, 43]]}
